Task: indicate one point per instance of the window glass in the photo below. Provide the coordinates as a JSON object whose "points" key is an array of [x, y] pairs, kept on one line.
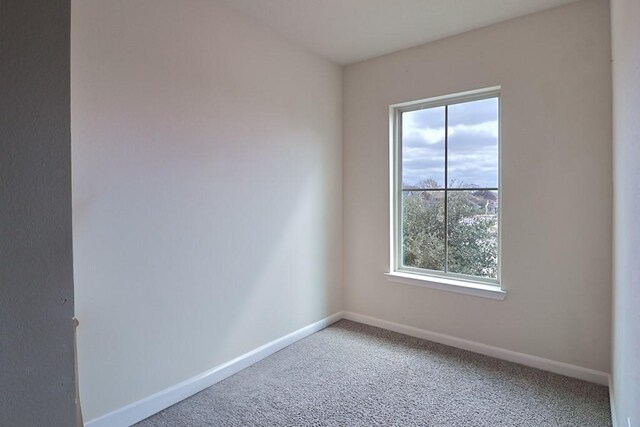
{"points": [[473, 144], [447, 197], [423, 136], [472, 219], [423, 229]]}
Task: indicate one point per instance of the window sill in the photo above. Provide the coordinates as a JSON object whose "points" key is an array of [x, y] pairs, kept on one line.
{"points": [[444, 284]]}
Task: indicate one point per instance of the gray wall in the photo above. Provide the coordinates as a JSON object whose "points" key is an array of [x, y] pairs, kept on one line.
{"points": [[625, 15], [36, 279]]}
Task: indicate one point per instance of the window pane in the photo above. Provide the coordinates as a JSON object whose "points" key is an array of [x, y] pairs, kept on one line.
{"points": [[472, 221], [423, 148], [423, 229], [473, 144]]}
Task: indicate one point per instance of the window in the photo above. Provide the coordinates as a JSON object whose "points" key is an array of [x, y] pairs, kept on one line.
{"points": [[445, 192]]}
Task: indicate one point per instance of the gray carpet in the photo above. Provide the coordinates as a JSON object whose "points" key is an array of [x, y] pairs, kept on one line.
{"points": [[355, 375]]}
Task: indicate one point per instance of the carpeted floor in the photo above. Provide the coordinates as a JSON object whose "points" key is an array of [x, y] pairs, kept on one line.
{"points": [[355, 375]]}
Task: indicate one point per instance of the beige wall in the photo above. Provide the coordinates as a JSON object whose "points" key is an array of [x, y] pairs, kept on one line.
{"points": [[556, 181], [625, 16], [206, 192]]}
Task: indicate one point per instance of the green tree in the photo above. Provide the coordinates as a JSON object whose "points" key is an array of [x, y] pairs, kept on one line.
{"points": [[472, 231]]}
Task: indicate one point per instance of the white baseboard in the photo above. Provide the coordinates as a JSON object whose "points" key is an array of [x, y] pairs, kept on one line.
{"points": [[614, 419], [561, 368], [138, 411]]}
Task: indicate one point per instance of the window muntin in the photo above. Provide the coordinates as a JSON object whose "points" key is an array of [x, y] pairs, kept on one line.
{"points": [[445, 190]]}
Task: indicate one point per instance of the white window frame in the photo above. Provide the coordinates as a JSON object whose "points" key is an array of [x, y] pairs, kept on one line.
{"points": [[454, 282]]}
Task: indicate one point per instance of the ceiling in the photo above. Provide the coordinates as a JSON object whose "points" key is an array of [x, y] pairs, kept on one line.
{"points": [[348, 31]]}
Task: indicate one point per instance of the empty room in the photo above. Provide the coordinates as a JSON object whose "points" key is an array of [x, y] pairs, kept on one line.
{"points": [[320, 213]]}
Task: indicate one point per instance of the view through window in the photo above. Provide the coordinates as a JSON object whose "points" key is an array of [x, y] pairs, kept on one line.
{"points": [[446, 187]]}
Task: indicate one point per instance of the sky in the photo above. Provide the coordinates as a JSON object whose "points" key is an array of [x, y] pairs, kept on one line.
{"points": [[473, 145]]}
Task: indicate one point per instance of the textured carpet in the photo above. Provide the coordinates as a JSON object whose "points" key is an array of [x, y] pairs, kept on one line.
{"points": [[355, 375]]}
